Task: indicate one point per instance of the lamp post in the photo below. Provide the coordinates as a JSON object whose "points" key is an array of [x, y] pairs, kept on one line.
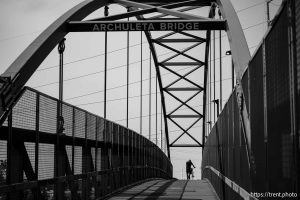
{"points": [[217, 102], [228, 53]]}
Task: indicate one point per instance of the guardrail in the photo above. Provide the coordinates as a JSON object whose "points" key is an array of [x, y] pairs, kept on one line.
{"points": [[53, 150], [269, 85]]}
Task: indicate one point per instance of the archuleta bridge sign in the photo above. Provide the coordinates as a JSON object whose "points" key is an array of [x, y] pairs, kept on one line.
{"points": [[146, 25]]}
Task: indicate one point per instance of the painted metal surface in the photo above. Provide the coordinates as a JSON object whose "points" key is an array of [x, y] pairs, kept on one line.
{"points": [[91, 156]]}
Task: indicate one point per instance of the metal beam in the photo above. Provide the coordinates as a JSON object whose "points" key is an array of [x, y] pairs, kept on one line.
{"points": [[143, 12], [184, 89], [186, 145], [155, 60], [161, 9], [180, 10], [186, 130], [182, 77], [125, 15], [182, 63], [185, 116], [146, 25], [30, 59], [205, 86], [237, 41], [178, 53], [163, 2], [185, 102], [178, 40], [240, 55]]}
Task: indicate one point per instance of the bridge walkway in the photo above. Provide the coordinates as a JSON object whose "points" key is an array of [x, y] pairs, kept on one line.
{"points": [[169, 189]]}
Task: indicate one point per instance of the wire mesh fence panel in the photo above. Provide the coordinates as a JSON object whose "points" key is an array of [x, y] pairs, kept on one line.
{"points": [[46, 161], [77, 160], [69, 151], [268, 88], [47, 115], [91, 127], [257, 120], [80, 124], [24, 112], [93, 153], [297, 23], [98, 158], [90, 152], [279, 138], [3, 162], [100, 129], [108, 132], [230, 141], [30, 151], [245, 84], [237, 139], [67, 112]]}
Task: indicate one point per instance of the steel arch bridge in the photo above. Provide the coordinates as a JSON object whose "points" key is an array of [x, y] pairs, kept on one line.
{"points": [[136, 157], [175, 22]]}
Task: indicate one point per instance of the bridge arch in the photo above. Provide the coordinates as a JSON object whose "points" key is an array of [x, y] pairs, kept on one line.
{"points": [[27, 63]]}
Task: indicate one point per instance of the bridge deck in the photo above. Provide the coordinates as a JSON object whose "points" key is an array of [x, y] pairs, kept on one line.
{"points": [[170, 189]]}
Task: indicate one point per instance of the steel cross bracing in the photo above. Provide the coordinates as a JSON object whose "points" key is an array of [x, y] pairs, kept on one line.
{"points": [[172, 12], [168, 13], [167, 41], [170, 89]]}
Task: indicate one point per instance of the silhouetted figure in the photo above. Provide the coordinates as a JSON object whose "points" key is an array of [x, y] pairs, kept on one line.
{"points": [[189, 169]]}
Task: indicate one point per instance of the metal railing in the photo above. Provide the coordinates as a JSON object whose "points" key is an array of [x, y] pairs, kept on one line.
{"points": [[52, 150], [269, 91]]}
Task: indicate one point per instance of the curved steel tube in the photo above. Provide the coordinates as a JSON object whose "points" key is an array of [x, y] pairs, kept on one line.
{"points": [[26, 64], [237, 41]]}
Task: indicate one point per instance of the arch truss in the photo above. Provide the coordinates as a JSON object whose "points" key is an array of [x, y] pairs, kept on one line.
{"points": [[171, 16]]}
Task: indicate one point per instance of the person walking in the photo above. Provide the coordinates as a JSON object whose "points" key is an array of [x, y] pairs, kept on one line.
{"points": [[189, 169]]}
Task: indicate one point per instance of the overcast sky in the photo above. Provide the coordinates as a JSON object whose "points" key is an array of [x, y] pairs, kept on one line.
{"points": [[22, 21]]}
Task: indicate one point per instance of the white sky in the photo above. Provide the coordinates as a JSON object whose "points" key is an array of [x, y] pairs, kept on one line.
{"points": [[22, 21]]}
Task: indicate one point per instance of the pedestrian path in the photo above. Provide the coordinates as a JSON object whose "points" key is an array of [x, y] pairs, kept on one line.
{"points": [[168, 190]]}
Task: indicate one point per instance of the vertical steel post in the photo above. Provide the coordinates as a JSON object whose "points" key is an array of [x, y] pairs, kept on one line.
{"points": [[104, 150], [210, 82], [85, 163], [37, 124], [73, 138], [60, 119], [161, 134], [96, 145], [232, 74], [206, 94], [105, 64], [59, 147], [268, 12], [220, 50], [37, 127], [150, 98], [292, 57], [294, 96], [156, 110], [61, 49], [141, 93], [214, 75], [265, 112], [14, 160], [127, 84]]}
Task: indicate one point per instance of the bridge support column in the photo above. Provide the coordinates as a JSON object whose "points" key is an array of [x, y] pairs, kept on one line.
{"points": [[104, 162], [14, 162], [59, 170], [87, 166]]}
